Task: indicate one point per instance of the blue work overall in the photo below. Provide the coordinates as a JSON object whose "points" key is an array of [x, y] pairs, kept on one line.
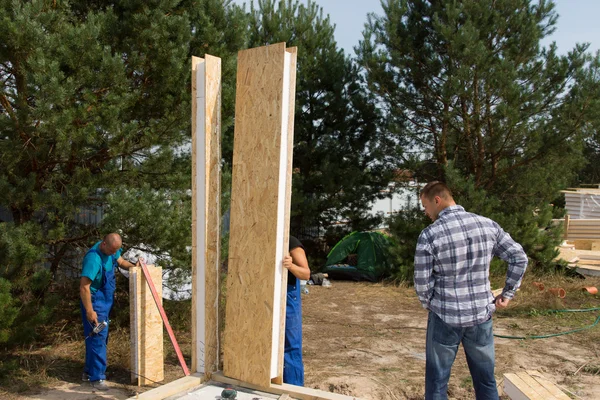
{"points": [[95, 345], [293, 368]]}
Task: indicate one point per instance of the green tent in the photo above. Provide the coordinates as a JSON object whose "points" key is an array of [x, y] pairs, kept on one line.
{"points": [[371, 250]]}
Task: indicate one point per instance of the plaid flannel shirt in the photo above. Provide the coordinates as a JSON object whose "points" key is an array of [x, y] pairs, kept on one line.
{"points": [[452, 266]]}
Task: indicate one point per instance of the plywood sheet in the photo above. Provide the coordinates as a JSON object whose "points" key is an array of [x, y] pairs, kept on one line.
{"points": [[147, 359], [206, 189], [257, 241]]}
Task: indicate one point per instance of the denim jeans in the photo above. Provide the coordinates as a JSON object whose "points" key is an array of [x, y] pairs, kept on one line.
{"points": [[442, 345]]}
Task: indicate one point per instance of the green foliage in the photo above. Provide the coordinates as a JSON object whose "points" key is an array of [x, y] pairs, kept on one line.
{"points": [[95, 116], [341, 158], [8, 312], [466, 86], [405, 228]]}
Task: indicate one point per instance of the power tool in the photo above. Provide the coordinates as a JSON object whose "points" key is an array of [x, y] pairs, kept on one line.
{"points": [[98, 328]]}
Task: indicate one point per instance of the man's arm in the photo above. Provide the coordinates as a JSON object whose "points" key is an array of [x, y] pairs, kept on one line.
{"points": [[511, 252], [86, 298], [297, 263], [123, 263], [423, 271]]}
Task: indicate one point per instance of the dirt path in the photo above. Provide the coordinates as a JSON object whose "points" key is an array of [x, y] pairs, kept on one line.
{"points": [[368, 341]]}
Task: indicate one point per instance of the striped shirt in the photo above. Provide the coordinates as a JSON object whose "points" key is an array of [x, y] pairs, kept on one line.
{"points": [[452, 266]]}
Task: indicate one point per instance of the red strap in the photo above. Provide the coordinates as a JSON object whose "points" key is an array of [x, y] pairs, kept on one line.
{"points": [[186, 371]]}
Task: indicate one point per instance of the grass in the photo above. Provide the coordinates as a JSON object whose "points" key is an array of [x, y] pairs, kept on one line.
{"points": [[537, 307], [59, 350]]}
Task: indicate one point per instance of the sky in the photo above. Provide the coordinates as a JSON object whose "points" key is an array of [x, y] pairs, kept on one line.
{"points": [[577, 22]]}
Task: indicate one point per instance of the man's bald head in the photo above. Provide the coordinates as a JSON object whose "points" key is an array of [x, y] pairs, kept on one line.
{"points": [[111, 243]]}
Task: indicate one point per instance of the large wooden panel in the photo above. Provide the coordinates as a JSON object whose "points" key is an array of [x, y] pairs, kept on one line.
{"points": [[147, 363], [259, 214], [206, 188]]}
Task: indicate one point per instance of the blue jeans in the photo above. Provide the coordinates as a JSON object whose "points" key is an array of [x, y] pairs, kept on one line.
{"points": [[293, 367], [442, 345]]}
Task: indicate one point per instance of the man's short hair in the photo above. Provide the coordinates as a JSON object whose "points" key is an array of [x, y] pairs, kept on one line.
{"points": [[436, 188]]}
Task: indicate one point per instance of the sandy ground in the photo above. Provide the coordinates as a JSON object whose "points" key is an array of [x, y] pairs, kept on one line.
{"points": [[368, 340]]}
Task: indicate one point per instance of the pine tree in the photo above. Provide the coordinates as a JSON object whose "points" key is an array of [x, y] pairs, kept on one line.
{"points": [[480, 104], [94, 122], [342, 159]]}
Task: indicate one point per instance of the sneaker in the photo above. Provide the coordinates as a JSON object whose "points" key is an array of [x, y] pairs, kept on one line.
{"points": [[85, 377], [100, 385]]}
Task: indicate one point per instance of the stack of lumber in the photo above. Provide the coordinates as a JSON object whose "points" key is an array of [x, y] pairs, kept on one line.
{"points": [[583, 203], [531, 385], [584, 255]]}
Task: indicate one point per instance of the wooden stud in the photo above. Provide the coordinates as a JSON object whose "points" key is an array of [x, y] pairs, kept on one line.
{"points": [[206, 211], [259, 215]]}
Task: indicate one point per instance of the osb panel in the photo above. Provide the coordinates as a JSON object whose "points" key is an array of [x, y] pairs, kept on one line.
{"points": [[148, 325], [213, 211], [293, 52], [248, 337]]}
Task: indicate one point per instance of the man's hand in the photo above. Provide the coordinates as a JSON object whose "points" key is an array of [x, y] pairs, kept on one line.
{"points": [[287, 262], [501, 302], [92, 317]]}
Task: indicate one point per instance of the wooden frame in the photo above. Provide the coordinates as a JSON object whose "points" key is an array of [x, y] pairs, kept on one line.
{"points": [[259, 230]]}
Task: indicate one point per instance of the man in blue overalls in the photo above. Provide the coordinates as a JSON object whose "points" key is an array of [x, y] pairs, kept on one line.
{"points": [[298, 269], [96, 289]]}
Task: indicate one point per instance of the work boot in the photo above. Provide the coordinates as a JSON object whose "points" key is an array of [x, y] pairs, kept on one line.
{"points": [[100, 385], [85, 377]]}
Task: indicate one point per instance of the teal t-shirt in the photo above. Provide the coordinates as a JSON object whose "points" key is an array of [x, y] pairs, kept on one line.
{"points": [[92, 262]]}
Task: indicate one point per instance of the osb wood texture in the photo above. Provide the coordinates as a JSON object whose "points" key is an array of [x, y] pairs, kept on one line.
{"points": [[149, 326], [293, 52], [209, 215], [213, 210], [248, 337]]}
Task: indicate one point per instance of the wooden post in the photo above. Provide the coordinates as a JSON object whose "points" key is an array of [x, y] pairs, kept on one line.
{"points": [[146, 328], [206, 212], [567, 220]]}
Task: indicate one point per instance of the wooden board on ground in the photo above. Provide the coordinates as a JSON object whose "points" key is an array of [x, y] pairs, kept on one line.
{"points": [[146, 327], [206, 211], [258, 215], [531, 385], [172, 388], [296, 392], [589, 270]]}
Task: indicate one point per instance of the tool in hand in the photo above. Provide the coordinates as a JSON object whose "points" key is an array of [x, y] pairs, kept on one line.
{"points": [[98, 328]]}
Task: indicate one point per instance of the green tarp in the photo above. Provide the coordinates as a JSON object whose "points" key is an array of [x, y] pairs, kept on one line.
{"points": [[371, 249]]}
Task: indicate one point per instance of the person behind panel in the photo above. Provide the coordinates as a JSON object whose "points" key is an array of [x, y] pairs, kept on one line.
{"points": [[297, 266]]}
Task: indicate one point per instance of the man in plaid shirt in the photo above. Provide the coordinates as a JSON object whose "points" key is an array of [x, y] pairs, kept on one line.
{"points": [[452, 265]]}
